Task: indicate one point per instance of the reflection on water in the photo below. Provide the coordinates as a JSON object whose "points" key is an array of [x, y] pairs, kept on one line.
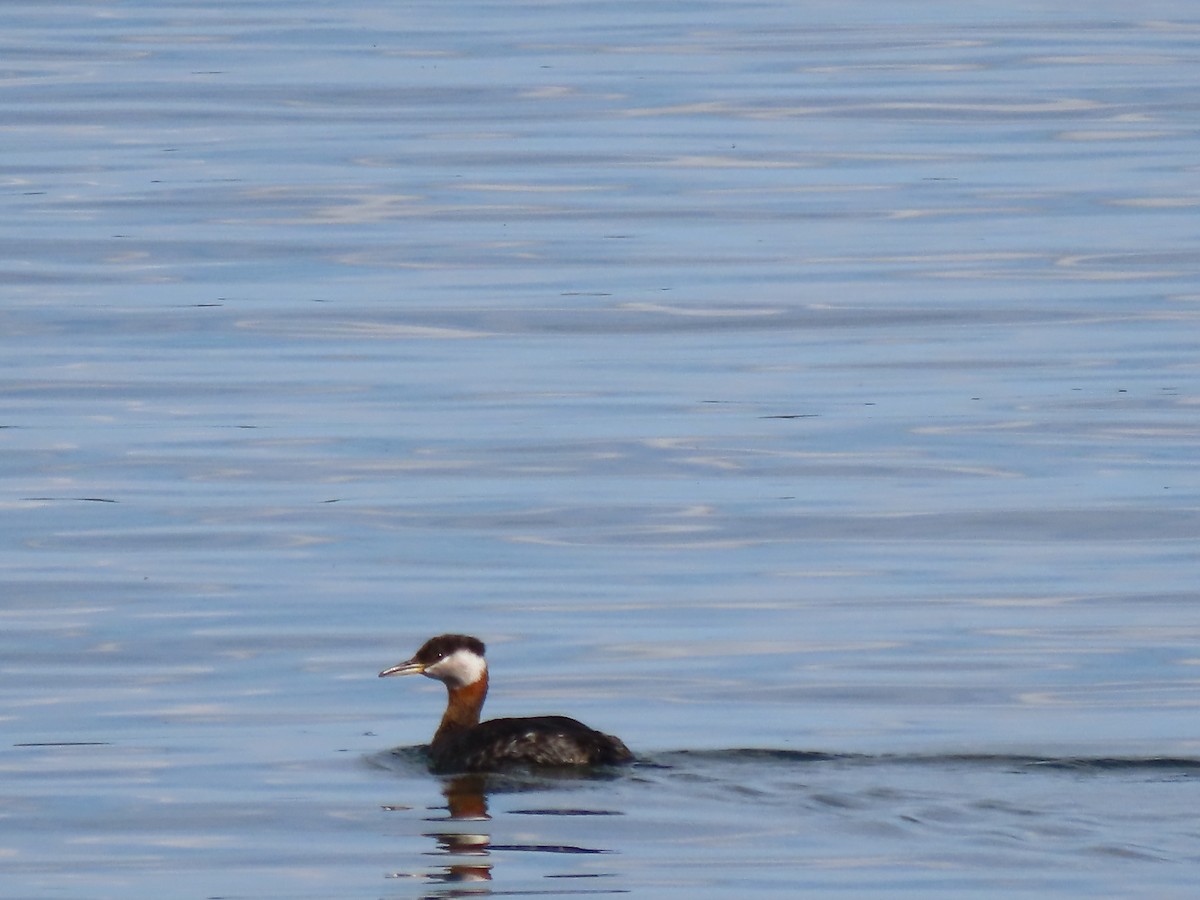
{"points": [[466, 801], [465, 836], [1010, 808]]}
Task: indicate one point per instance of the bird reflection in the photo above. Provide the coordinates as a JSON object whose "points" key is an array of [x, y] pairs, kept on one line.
{"points": [[464, 840], [466, 801]]}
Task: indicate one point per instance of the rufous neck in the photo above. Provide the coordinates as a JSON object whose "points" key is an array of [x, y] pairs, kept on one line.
{"points": [[463, 707]]}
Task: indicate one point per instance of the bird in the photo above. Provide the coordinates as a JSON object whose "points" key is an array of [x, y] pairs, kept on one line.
{"points": [[464, 744]]}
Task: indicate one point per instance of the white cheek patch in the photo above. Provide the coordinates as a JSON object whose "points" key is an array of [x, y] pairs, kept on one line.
{"points": [[462, 667]]}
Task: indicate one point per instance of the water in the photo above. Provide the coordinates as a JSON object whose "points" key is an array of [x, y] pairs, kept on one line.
{"points": [[805, 393]]}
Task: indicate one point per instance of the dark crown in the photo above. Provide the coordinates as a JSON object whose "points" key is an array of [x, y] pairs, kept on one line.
{"points": [[443, 645]]}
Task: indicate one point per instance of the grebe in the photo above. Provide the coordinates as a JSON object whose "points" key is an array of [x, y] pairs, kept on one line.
{"points": [[464, 744]]}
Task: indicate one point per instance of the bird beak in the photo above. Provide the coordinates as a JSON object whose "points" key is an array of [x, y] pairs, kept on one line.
{"points": [[412, 667]]}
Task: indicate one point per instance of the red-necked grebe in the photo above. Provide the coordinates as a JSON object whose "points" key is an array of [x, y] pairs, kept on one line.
{"points": [[464, 744]]}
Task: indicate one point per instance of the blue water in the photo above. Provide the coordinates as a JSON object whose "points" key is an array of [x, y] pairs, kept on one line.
{"points": [[811, 379]]}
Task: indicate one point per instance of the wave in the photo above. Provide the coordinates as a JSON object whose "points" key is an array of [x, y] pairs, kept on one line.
{"points": [[681, 758], [413, 759]]}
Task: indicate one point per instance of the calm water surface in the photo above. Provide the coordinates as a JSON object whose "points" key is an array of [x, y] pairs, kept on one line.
{"points": [[806, 393]]}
